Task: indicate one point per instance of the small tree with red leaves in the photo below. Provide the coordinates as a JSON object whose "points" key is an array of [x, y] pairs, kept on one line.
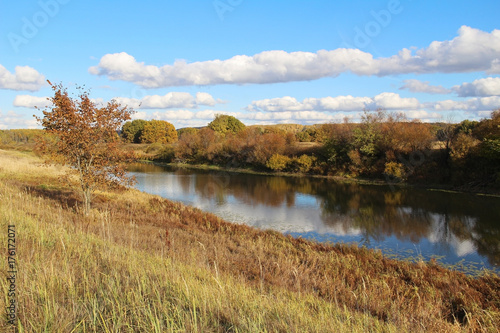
{"points": [[86, 139]]}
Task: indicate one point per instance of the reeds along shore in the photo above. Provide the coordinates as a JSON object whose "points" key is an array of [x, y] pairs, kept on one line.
{"points": [[140, 263]]}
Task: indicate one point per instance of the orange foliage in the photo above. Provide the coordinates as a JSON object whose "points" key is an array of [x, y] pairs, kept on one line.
{"points": [[87, 139]]}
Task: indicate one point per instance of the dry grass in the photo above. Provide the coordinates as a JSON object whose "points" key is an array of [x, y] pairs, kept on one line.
{"points": [[140, 263]]}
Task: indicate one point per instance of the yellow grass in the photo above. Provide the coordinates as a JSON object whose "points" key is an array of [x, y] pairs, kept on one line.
{"points": [[143, 264]]}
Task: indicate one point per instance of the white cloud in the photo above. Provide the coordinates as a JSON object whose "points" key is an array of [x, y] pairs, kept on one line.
{"points": [[472, 104], [167, 101], [489, 86], [29, 101], [423, 115], [24, 78], [417, 86], [13, 120], [301, 115], [203, 98], [139, 115], [170, 100], [484, 114], [334, 108], [277, 104], [472, 50], [342, 103], [265, 67], [392, 101], [187, 115], [173, 115], [386, 100]]}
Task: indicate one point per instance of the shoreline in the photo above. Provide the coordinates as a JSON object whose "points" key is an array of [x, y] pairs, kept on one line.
{"points": [[340, 179], [471, 267], [191, 269]]}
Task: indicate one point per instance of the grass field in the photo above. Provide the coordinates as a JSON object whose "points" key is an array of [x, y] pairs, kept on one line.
{"points": [[140, 263]]}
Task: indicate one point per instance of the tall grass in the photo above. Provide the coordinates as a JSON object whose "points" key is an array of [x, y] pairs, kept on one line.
{"points": [[140, 263]]}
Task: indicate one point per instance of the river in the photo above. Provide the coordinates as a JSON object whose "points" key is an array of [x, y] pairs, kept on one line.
{"points": [[457, 229]]}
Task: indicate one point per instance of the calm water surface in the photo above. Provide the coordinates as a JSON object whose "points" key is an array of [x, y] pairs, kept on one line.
{"points": [[456, 229]]}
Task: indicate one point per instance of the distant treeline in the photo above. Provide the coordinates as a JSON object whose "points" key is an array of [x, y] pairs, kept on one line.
{"points": [[382, 146], [19, 136]]}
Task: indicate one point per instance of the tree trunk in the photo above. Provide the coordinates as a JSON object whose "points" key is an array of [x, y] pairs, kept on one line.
{"points": [[87, 198]]}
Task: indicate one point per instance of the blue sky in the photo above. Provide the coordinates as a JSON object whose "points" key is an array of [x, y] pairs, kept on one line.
{"points": [[265, 62]]}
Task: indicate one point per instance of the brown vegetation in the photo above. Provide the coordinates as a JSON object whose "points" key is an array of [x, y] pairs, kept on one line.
{"points": [[142, 263], [84, 136], [383, 146]]}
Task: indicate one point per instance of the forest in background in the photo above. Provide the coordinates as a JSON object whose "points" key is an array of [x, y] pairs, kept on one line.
{"points": [[384, 146]]}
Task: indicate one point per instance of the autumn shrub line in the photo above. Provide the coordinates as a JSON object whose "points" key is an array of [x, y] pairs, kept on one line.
{"points": [[141, 263], [383, 146]]}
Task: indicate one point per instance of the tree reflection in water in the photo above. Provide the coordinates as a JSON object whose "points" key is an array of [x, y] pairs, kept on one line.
{"points": [[452, 222]]}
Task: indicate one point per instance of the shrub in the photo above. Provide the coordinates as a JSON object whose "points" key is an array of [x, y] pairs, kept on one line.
{"points": [[190, 130], [132, 130], [166, 155], [303, 136], [154, 148], [278, 162], [395, 170], [303, 163], [158, 131], [224, 124], [266, 145]]}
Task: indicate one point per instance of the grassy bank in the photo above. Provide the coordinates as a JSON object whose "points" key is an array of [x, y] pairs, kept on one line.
{"points": [[140, 263]]}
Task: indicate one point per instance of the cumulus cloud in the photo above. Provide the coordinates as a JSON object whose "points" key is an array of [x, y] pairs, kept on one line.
{"points": [[472, 104], [13, 120], [173, 115], [23, 78], [170, 100], [139, 115], [29, 101], [472, 50], [203, 98], [187, 118], [167, 101], [489, 86], [183, 114], [423, 115], [335, 108], [417, 86], [287, 116], [386, 100], [392, 101], [485, 114], [265, 67]]}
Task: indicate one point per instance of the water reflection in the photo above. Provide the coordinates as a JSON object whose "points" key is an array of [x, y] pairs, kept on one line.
{"points": [[428, 223]]}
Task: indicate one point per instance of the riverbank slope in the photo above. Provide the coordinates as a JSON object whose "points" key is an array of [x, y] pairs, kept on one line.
{"points": [[143, 263]]}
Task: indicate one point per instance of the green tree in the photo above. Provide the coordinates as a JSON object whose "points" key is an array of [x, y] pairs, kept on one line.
{"points": [[226, 124], [185, 130], [160, 131], [87, 140], [132, 130], [366, 140]]}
